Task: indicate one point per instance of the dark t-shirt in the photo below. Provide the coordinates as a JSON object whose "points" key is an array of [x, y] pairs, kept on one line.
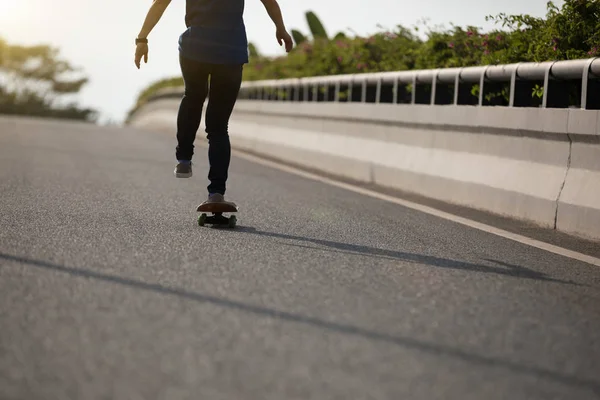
{"points": [[215, 32]]}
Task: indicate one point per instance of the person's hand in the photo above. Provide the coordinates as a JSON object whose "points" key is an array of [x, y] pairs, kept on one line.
{"points": [[284, 37], [141, 51]]}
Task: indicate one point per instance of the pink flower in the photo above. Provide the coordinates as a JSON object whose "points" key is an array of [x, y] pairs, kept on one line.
{"points": [[469, 33], [486, 52], [340, 59], [499, 38], [451, 45], [555, 48]]}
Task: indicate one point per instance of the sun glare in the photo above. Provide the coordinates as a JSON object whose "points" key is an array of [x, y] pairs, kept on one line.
{"points": [[11, 15], [7, 7]]}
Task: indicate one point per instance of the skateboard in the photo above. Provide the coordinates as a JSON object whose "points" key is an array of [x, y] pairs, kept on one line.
{"points": [[217, 210]]}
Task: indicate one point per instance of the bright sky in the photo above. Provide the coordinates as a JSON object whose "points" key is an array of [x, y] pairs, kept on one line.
{"points": [[99, 35]]}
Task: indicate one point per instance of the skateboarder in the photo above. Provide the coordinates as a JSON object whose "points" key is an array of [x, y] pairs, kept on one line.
{"points": [[214, 45]]}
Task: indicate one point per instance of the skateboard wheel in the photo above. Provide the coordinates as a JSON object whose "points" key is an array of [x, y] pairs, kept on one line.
{"points": [[201, 219], [232, 221]]}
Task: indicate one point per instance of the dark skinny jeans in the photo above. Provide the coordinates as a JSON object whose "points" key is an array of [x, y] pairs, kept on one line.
{"points": [[225, 81]]}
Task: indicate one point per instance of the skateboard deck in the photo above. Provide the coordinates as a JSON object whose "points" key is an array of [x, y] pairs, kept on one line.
{"points": [[217, 207], [217, 210]]}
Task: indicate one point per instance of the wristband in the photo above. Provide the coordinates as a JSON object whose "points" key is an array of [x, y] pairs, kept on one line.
{"points": [[138, 40]]}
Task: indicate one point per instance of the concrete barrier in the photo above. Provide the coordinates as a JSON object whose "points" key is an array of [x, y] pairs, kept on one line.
{"points": [[579, 203], [535, 164]]}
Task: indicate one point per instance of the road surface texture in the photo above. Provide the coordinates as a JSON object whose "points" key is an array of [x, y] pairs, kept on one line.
{"points": [[110, 290]]}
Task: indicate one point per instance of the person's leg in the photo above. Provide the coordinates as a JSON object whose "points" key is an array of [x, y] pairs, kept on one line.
{"points": [[195, 77], [225, 84]]}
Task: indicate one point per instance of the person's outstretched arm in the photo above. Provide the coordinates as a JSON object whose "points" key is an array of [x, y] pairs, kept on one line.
{"points": [[274, 12], [156, 11]]}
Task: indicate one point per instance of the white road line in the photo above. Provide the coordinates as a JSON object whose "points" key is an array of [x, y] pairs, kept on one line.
{"points": [[428, 210]]}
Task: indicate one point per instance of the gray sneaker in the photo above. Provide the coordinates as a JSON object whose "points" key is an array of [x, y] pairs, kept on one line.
{"points": [[215, 198], [183, 170], [216, 203]]}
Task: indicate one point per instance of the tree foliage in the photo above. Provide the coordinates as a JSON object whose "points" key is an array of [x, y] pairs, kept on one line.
{"points": [[316, 27], [298, 37], [253, 50], [33, 80]]}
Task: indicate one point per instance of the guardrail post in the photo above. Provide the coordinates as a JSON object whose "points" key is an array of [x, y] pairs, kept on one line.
{"points": [[513, 87], [434, 82], [556, 92], [413, 98], [590, 99], [350, 87], [363, 94], [519, 90], [481, 85], [456, 88]]}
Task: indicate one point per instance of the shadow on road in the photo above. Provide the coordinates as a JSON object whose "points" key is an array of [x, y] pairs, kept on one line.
{"points": [[406, 342], [501, 268]]}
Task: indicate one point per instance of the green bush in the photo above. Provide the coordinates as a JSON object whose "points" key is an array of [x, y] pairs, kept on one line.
{"points": [[569, 32]]}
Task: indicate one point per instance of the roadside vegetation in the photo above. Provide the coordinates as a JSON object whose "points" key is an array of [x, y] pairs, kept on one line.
{"points": [[569, 32], [35, 80]]}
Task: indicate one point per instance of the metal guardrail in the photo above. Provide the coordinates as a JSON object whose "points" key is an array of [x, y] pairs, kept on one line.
{"points": [[559, 84]]}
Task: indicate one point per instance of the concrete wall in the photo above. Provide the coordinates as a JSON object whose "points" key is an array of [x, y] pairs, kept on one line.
{"points": [[579, 203], [539, 165]]}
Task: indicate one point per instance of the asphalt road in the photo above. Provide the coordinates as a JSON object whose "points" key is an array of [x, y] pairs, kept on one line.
{"points": [[110, 290]]}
